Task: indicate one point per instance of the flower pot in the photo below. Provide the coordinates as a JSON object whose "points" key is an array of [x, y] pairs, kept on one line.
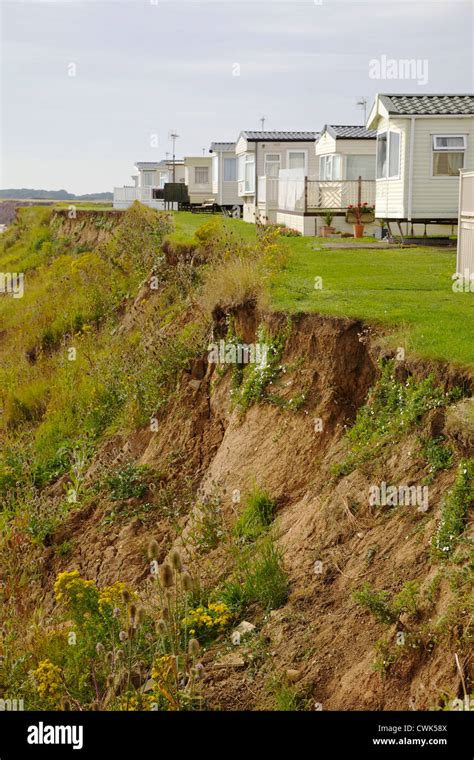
{"points": [[358, 230], [326, 231]]}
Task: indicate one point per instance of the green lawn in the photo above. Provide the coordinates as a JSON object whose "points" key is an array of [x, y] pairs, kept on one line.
{"points": [[188, 222], [408, 290]]}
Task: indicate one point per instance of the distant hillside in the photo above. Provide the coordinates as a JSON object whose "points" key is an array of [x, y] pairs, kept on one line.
{"points": [[27, 193]]}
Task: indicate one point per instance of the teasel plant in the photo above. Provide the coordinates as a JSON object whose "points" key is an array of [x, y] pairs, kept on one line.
{"points": [[174, 585]]}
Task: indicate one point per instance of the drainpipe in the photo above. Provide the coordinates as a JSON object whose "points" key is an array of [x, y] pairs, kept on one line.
{"points": [[410, 169], [256, 179]]}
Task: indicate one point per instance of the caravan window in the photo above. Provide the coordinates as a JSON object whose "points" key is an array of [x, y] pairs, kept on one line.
{"points": [[382, 155], [201, 175], [230, 169], [394, 154], [272, 164], [448, 155], [360, 166], [297, 159], [246, 172], [148, 179], [330, 167], [388, 155]]}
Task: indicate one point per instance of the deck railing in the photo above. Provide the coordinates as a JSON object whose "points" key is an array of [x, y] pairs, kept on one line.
{"points": [[125, 196], [306, 194]]}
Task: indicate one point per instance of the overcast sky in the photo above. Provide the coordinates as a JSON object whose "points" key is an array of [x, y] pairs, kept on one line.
{"points": [[206, 68]]}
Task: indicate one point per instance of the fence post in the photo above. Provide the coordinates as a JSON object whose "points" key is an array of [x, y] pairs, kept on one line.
{"points": [[305, 194]]}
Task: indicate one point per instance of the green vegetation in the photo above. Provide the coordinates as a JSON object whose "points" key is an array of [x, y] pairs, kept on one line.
{"points": [[387, 654], [208, 528], [393, 408], [286, 696], [251, 382], [385, 609], [256, 377], [438, 454], [258, 578], [127, 482], [68, 377], [257, 515], [108, 642], [454, 510], [377, 602]]}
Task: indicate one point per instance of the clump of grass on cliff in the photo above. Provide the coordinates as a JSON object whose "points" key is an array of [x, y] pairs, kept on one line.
{"points": [[257, 515], [259, 577], [242, 271]]}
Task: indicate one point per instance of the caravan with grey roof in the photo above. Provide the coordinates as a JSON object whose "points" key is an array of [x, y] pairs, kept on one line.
{"points": [[260, 157], [343, 172], [423, 142]]}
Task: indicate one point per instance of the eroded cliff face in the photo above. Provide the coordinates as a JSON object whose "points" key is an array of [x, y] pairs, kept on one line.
{"points": [[85, 227], [202, 445]]}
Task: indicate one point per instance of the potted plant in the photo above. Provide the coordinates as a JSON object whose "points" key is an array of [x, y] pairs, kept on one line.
{"points": [[358, 214], [326, 229]]}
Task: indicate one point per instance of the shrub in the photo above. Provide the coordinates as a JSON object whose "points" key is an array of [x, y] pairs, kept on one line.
{"points": [[208, 525], [128, 482], [137, 241], [48, 681], [438, 454], [206, 620], [386, 656], [106, 646], [407, 600], [394, 407], [208, 231], [377, 602], [240, 271], [283, 230], [230, 284], [257, 515], [388, 610]]}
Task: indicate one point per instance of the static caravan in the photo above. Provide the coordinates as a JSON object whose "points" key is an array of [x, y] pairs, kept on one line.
{"points": [[423, 141], [260, 157], [224, 176], [167, 170], [198, 178], [148, 183], [343, 154]]}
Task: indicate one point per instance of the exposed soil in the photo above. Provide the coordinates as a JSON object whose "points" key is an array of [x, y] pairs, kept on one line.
{"points": [[204, 444]]}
